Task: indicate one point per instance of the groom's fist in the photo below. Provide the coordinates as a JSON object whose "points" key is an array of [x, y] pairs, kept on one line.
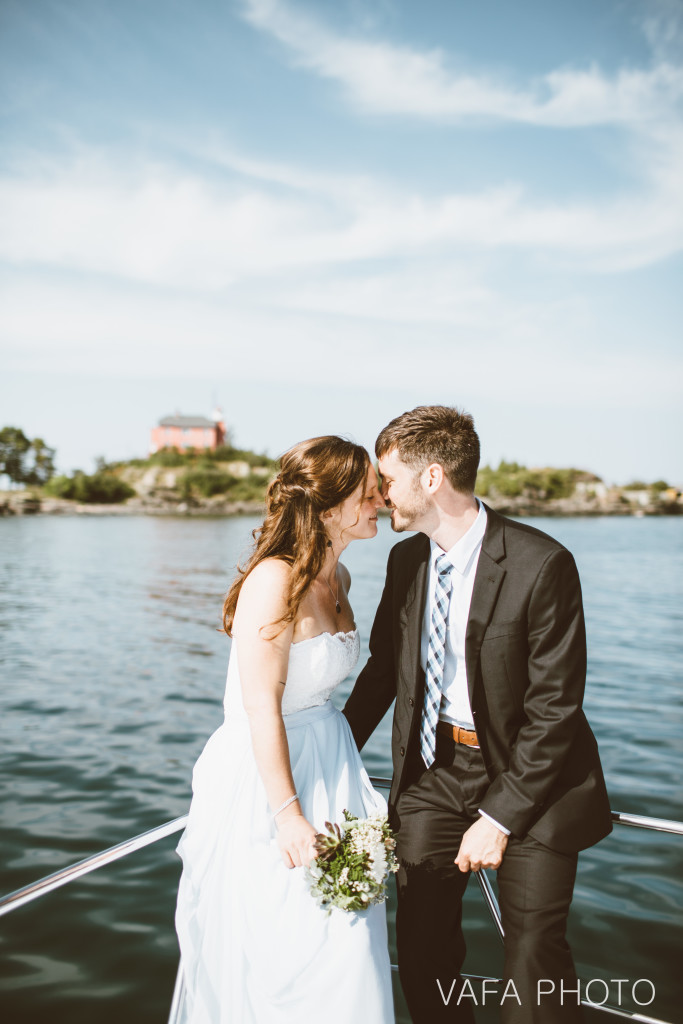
{"points": [[482, 846]]}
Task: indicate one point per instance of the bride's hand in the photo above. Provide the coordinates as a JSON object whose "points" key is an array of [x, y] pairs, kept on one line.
{"points": [[296, 839]]}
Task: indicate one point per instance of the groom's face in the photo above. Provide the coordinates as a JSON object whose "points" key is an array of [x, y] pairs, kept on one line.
{"points": [[403, 493]]}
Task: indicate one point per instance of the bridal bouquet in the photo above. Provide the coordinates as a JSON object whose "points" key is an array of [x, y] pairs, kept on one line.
{"points": [[353, 863]]}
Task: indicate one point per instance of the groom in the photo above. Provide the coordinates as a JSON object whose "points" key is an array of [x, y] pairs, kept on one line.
{"points": [[480, 639]]}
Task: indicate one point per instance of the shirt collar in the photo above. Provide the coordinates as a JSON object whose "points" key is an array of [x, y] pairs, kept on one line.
{"points": [[462, 552]]}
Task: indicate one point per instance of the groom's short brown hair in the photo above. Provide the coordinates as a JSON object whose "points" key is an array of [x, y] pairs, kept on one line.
{"points": [[435, 433]]}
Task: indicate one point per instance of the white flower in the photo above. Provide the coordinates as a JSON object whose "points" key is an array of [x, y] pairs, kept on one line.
{"points": [[368, 842], [378, 864]]}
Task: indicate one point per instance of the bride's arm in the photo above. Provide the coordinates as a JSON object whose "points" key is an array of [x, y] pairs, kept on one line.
{"points": [[263, 658]]}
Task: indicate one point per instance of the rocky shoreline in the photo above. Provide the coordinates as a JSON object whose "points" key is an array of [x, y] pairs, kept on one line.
{"points": [[176, 490], [614, 503], [21, 504]]}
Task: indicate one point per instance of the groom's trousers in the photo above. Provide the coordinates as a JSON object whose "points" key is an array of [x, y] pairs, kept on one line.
{"points": [[535, 886]]}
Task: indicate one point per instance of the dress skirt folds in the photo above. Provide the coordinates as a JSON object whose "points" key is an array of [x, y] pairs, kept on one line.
{"points": [[256, 949]]}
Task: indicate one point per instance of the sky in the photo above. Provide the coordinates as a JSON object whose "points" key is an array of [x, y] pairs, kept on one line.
{"points": [[317, 215]]}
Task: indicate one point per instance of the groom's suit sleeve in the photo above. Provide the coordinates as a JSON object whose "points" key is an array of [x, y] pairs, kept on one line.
{"points": [[556, 671], [375, 687]]}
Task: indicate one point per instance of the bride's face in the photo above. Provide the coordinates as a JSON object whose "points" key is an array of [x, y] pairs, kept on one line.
{"points": [[356, 517]]}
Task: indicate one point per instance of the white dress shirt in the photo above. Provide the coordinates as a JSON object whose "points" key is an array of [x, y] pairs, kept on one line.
{"points": [[464, 557]]}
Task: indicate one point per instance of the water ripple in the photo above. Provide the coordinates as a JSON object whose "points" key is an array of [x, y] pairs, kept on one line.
{"points": [[114, 672]]}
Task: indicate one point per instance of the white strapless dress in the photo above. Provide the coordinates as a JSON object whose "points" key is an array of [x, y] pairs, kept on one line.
{"points": [[255, 947]]}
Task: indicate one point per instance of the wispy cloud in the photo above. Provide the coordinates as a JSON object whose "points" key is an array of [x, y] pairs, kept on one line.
{"points": [[72, 326], [663, 28], [188, 243], [383, 78], [270, 266], [103, 213]]}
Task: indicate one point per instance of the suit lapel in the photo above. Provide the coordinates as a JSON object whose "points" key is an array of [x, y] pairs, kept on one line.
{"points": [[487, 581], [411, 616]]}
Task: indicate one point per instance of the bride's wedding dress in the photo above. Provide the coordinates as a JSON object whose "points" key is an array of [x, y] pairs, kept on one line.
{"points": [[256, 949]]}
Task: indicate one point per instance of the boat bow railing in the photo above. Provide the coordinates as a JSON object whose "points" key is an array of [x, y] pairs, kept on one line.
{"points": [[28, 893]]}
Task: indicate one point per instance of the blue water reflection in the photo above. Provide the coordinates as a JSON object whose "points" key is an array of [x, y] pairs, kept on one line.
{"points": [[113, 675]]}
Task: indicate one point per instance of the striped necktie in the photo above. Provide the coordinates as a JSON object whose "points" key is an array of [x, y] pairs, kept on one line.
{"points": [[436, 656]]}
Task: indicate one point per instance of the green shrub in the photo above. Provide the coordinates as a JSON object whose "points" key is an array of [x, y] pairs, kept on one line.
{"points": [[100, 488], [226, 453], [168, 457], [59, 487], [483, 484], [172, 457], [249, 488], [512, 480], [559, 483], [206, 482], [509, 487], [210, 481]]}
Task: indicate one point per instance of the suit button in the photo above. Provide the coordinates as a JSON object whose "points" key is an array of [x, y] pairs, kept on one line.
{"points": [[402, 751], [411, 702]]}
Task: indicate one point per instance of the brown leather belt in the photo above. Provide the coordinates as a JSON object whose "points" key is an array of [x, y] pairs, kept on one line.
{"points": [[458, 735]]}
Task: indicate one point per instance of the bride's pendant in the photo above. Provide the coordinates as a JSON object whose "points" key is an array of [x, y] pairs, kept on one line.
{"points": [[335, 597]]}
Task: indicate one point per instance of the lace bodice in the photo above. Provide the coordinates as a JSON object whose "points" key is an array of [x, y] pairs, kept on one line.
{"points": [[316, 668]]}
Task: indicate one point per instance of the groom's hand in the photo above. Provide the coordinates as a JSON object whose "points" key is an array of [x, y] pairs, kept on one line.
{"points": [[482, 846]]}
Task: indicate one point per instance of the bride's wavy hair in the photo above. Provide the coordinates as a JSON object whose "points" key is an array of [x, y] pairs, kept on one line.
{"points": [[315, 476]]}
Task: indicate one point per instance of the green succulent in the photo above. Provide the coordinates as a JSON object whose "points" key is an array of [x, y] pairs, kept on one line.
{"points": [[327, 845]]}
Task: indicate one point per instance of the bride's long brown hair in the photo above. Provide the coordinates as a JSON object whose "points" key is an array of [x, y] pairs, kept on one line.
{"points": [[315, 476]]}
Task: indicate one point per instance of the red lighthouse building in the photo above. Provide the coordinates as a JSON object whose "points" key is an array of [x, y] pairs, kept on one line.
{"points": [[184, 432]]}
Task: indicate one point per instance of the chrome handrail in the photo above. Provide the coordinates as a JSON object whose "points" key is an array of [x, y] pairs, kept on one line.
{"points": [[30, 892], [175, 1013], [641, 821], [490, 901], [44, 885]]}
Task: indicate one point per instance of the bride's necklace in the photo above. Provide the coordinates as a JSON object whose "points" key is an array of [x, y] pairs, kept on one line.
{"points": [[335, 596]]}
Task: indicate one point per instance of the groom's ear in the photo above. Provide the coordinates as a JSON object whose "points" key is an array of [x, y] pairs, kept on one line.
{"points": [[432, 477]]}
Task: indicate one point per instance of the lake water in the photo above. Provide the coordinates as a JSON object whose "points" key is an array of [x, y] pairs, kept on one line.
{"points": [[112, 678]]}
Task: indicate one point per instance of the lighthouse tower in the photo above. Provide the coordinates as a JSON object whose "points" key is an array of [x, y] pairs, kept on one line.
{"points": [[217, 417]]}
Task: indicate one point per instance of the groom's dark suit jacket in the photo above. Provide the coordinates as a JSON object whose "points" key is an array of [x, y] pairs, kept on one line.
{"points": [[525, 652]]}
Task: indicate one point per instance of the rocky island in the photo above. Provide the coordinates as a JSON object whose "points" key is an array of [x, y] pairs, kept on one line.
{"points": [[230, 481]]}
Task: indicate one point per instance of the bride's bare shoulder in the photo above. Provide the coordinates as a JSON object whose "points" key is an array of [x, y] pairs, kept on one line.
{"points": [[271, 569], [269, 577], [263, 598]]}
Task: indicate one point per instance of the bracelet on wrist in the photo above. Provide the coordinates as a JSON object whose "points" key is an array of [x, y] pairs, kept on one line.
{"points": [[285, 804]]}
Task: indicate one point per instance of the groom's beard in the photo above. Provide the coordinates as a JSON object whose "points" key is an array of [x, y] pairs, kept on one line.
{"points": [[413, 508]]}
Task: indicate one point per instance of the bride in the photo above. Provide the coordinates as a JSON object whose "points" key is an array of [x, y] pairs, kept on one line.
{"points": [[256, 948]]}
